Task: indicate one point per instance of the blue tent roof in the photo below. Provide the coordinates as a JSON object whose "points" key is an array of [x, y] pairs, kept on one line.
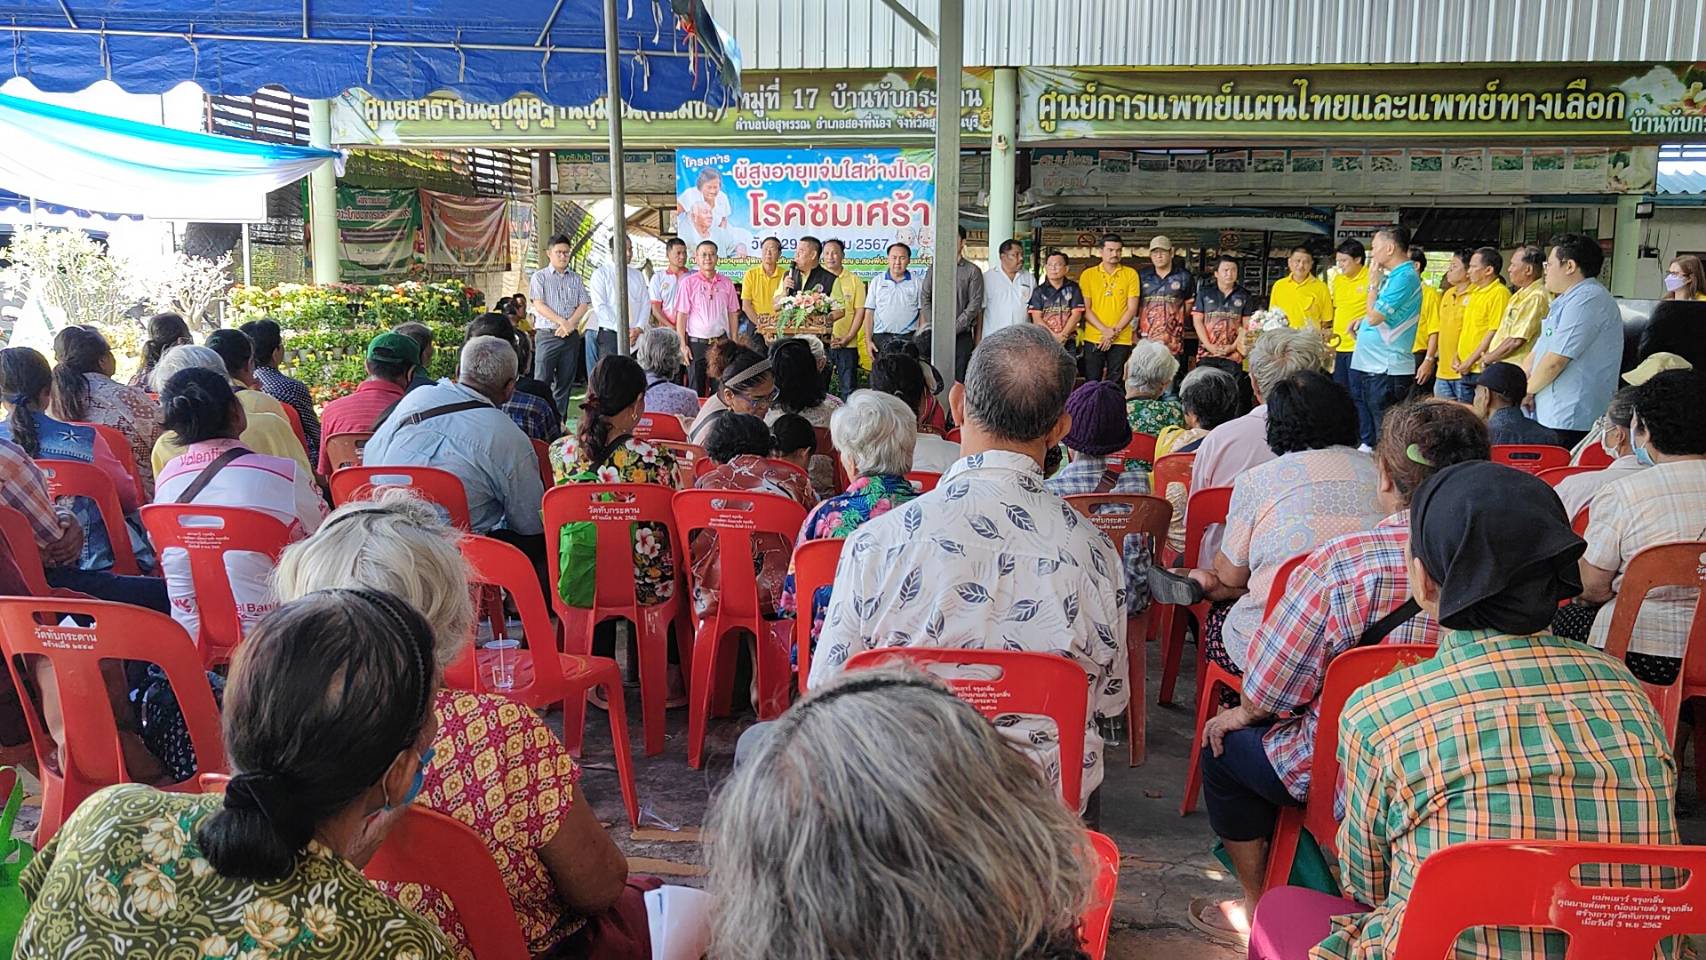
{"points": [[485, 51]]}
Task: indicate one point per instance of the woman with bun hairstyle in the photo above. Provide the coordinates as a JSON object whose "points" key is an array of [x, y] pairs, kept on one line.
{"points": [[84, 391], [205, 418], [165, 331], [273, 866]]}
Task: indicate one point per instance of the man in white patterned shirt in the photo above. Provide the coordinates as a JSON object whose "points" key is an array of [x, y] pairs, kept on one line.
{"points": [[991, 559]]}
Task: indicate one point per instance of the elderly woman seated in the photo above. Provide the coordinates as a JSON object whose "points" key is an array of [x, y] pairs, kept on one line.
{"points": [[1210, 397], [1508, 733], [492, 765], [1148, 375], [659, 353], [740, 445], [875, 434], [886, 818], [1351, 592], [1099, 428]]}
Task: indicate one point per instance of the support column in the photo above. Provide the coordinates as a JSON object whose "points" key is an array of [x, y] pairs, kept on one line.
{"points": [[1003, 157], [950, 59], [618, 193], [323, 197], [1625, 247], [544, 220]]}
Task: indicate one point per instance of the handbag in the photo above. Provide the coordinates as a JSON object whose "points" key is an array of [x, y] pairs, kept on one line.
{"points": [[15, 855]]}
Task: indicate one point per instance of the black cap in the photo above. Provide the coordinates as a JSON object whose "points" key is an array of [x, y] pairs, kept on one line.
{"points": [[1505, 379]]}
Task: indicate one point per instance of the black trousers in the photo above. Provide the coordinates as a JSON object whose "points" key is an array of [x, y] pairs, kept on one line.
{"points": [[1106, 364], [696, 376], [557, 363]]}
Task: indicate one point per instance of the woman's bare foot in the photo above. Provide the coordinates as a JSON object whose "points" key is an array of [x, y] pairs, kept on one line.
{"points": [[1223, 920]]}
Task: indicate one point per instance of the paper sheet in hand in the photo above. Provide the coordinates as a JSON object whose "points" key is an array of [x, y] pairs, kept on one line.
{"points": [[680, 922]]}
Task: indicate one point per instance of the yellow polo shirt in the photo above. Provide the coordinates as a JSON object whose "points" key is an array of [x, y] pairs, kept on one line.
{"points": [[1450, 325], [849, 291], [1106, 294], [1307, 305], [267, 433], [760, 288], [1427, 324], [1350, 305], [1481, 314], [1522, 317]]}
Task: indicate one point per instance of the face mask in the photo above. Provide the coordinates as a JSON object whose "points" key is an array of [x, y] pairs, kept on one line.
{"points": [[420, 777], [1675, 282], [1606, 446], [1642, 455]]}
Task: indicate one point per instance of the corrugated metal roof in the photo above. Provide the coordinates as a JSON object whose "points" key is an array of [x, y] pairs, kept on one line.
{"points": [[862, 34], [1681, 178]]}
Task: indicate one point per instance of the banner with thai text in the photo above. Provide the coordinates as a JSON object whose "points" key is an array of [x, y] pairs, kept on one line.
{"points": [[818, 107], [867, 199], [378, 233], [1644, 103]]}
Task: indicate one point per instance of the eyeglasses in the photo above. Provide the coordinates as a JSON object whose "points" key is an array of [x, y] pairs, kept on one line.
{"points": [[766, 399]]}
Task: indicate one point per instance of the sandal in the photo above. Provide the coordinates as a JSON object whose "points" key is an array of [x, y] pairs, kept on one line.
{"points": [[1166, 586], [1204, 907], [595, 697]]}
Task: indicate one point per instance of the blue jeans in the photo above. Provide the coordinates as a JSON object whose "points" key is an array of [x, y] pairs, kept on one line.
{"points": [[1374, 394], [1462, 390], [597, 344], [845, 362], [1342, 369]]}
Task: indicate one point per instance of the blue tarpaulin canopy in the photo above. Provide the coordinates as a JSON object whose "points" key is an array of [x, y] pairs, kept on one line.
{"points": [[484, 51]]}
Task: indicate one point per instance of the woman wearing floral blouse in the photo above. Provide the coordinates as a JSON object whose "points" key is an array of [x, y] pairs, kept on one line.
{"points": [[84, 391], [1148, 374], [273, 866], [875, 433]]}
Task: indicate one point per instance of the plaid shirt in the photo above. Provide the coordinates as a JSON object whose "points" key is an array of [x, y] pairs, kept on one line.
{"points": [[1497, 737], [1084, 475], [533, 416], [292, 392], [24, 489], [1341, 590]]}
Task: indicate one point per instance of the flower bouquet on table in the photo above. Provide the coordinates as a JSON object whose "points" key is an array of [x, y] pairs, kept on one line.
{"points": [[1260, 322], [799, 314]]}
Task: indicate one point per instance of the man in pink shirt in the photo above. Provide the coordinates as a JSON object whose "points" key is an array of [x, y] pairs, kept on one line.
{"points": [[706, 310], [391, 361]]}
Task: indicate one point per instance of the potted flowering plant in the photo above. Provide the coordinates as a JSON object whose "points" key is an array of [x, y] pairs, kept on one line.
{"points": [[802, 313]]}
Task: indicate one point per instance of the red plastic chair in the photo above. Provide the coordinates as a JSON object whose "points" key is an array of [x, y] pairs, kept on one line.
{"points": [[1530, 457], [1171, 469], [1594, 456], [1579, 522], [826, 448], [206, 534], [659, 426], [924, 481], [1552, 475], [119, 444], [21, 538], [1349, 671], [1141, 447], [542, 452], [1040, 684], [1203, 509], [814, 566], [1532, 883], [1214, 678], [1680, 565], [687, 459], [92, 757], [69, 478], [345, 449], [613, 508], [952, 436], [295, 420], [1132, 515], [435, 851], [430, 483], [736, 516], [1093, 928], [542, 676]]}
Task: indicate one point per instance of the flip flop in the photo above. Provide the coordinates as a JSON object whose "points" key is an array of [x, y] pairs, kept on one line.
{"points": [[1165, 586], [1230, 937]]}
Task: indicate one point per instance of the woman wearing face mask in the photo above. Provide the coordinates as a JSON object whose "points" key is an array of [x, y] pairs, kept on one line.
{"points": [[1686, 279], [1613, 439]]}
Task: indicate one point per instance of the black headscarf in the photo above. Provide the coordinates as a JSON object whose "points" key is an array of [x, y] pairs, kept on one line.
{"points": [[1497, 542]]}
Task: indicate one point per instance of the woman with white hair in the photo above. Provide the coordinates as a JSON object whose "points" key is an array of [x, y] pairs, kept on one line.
{"points": [[1148, 374], [659, 354], [266, 433], [875, 433], [493, 766], [884, 817]]}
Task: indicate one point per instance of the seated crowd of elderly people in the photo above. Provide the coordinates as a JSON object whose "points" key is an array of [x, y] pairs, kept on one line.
{"points": [[878, 784]]}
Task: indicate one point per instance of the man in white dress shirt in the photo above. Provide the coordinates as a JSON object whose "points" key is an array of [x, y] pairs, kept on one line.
{"points": [[604, 323], [1007, 289]]}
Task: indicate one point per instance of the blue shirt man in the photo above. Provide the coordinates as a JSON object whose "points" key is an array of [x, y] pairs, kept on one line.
{"points": [[1585, 329], [1383, 366]]}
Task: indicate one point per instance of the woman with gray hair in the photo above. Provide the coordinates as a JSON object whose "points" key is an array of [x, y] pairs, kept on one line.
{"points": [[266, 432], [659, 354], [1148, 374], [886, 818], [1210, 397], [875, 433]]}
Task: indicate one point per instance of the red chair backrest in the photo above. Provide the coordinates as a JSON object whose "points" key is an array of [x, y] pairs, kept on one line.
{"points": [[1204, 509], [826, 448], [1174, 468], [1530, 457], [1122, 515], [736, 516], [1532, 883], [433, 850], [1093, 928], [542, 453], [1031, 683], [344, 449], [1680, 565], [952, 436], [1579, 522], [612, 508], [924, 481], [493, 563], [295, 421], [91, 757], [69, 478], [1141, 447], [119, 444], [659, 426], [1554, 474], [1349, 671], [206, 533], [1282, 580], [1594, 457], [21, 538], [687, 459], [814, 566], [430, 483]]}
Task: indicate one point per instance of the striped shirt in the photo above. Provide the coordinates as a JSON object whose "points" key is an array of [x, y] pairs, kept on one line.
{"points": [[1346, 585], [1497, 737]]}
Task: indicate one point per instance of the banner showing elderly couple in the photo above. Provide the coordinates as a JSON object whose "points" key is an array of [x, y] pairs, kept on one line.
{"points": [[867, 199]]}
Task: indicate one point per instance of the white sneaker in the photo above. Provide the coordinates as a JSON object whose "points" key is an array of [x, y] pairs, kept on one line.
{"points": [[1365, 448]]}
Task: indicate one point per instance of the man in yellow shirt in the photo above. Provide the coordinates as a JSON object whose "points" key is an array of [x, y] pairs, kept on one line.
{"points": [[1350, 305], [1111, 291], [1528, 306], [1427, 328], [849, 345], [1488, 297], [758, 287], [1448, 383], [1302, 295]]}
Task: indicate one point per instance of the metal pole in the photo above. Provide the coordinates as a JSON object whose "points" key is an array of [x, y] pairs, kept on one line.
{"points": [[950, 55], [618, 195], [544, 217], [323, 197], [248, 274], [1003, 158]]}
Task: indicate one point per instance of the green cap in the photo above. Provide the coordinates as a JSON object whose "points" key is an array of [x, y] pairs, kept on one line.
{"points": [[394, 348]]}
